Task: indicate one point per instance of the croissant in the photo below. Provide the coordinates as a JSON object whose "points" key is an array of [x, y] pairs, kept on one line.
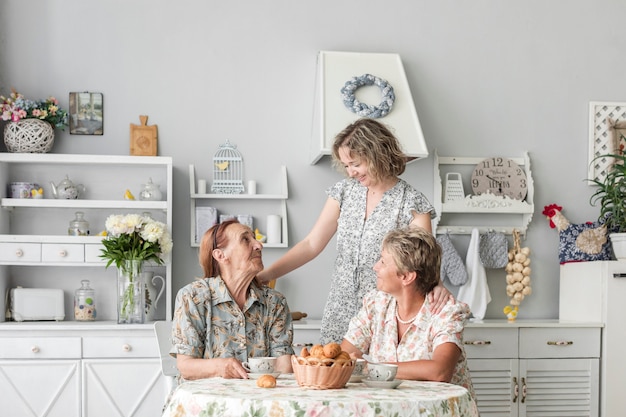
{"points": [[266, 381]]}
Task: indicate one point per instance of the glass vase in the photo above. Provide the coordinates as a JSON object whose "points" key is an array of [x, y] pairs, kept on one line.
{"points": [[130, 293]]}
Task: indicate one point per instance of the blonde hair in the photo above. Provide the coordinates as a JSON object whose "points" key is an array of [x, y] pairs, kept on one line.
{"points": [[414, 249], [373, 142]]}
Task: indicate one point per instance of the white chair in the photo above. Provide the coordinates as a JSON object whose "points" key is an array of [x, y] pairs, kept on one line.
{"points": [[163, 331]]}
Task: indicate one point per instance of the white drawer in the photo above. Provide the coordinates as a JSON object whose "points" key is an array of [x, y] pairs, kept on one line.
{"points": [[305, 337], [93, 252], [20, 252], [490, 342], [120, 347], [39, 347], [62, 252], [574, 342]]}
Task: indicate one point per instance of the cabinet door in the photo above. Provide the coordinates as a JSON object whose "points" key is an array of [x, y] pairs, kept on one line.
{"points": [[496, 384], [40, 388], [559, 387], [123, 387]]}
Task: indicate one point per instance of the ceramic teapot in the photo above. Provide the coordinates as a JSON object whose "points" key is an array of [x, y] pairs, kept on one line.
{"points": [[150, 192], [67, 190]]}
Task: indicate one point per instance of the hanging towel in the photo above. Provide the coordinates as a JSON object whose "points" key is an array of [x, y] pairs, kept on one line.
{"points": [[475, 292], [452, 268]]}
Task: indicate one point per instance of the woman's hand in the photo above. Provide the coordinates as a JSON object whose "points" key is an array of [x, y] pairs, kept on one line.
{"points": [[230, 368], [438, 298]]}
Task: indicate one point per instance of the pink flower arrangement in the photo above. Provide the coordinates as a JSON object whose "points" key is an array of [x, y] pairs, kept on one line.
{"points": [[15, 108]]}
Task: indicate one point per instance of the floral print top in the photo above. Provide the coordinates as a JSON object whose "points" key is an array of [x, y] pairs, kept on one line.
{"points": [[374, 331], [208, 323], [358, 246]]}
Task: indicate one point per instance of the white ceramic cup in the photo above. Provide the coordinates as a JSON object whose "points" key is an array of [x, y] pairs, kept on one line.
{"points": [[261, 365], [382, 371], [359, 368]]}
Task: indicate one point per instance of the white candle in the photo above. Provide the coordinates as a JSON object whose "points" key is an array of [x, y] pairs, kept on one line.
{"points": [[251, 187], [201, 186], [274, 229]]}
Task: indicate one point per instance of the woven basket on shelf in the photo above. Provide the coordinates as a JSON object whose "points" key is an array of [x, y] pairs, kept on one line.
{"points": [[319, 375], [29, 135]]}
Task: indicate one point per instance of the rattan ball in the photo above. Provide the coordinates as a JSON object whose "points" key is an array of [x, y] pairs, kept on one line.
{"points": [[29, 136]]}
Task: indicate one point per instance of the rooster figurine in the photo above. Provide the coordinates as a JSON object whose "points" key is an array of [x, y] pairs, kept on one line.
{"points": [[578, 242]]}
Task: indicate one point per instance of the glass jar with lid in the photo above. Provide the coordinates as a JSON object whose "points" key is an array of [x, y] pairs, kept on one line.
{"points": [[84, 302], [78, 226]]}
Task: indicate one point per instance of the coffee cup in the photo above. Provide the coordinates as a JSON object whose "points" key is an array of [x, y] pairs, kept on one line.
{"points": [[260, 365], [359, 368], [382, 371]]}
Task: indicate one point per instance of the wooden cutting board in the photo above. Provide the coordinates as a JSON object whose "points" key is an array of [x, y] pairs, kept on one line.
{"points": [[143, 138]]}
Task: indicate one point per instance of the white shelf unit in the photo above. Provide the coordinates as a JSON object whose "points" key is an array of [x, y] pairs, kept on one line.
{"points": [[97, 368], [37, 228], [249, 201], [485, 212]]}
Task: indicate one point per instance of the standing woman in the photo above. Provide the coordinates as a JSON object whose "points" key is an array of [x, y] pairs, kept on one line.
{"points": [[361, 209]]}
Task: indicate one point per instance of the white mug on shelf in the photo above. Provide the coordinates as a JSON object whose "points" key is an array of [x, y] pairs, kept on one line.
{"points": [[274, 226], [201, 186], [251, 187]]}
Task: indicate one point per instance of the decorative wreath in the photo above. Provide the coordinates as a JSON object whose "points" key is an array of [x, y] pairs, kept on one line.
{"points": [[367, 110]]}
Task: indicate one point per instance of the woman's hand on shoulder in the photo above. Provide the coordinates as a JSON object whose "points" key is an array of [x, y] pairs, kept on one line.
{"points": [[438, 298]]}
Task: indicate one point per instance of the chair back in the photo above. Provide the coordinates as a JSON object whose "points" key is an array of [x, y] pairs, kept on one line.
{"points": [[163, 331]]}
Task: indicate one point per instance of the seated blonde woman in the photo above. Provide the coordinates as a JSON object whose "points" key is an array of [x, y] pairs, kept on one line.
{"points": [[395, 323]]}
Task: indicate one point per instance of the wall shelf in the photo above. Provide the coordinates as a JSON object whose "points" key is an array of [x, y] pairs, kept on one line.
{"points": [[484, 212], [251, 201]]}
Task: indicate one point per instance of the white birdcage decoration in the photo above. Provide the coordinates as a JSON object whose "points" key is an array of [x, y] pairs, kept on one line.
{"points": [[227, 170]]}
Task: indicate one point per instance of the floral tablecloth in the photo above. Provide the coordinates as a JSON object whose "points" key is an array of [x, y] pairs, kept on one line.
{"points": [[237, 397]]}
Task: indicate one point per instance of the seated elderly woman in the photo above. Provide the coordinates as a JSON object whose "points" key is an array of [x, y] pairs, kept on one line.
{"points": [[395, 323], [225, 318]]}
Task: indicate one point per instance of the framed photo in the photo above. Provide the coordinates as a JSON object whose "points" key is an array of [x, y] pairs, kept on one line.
{"points": [[86, 113], [607, 133]]}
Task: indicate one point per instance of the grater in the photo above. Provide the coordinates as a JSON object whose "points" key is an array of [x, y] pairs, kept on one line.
{"points": [[454, 187]]}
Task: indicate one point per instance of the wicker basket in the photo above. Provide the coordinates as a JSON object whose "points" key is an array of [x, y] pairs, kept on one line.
{"points": [[29, 135], [316, 374]]}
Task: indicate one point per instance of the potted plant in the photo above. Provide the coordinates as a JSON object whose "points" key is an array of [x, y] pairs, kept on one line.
{"points": [[611, 196]]}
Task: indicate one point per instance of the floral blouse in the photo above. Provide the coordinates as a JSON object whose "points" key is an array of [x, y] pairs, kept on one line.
{"points": [[374, 331], [358, 246], [208, 323]]}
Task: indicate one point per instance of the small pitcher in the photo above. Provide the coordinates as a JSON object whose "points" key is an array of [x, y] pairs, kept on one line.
{"points": [[152, 295]]}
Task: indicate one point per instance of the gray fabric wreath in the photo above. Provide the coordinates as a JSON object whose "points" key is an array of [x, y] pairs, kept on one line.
{"points": [[367, 110]]}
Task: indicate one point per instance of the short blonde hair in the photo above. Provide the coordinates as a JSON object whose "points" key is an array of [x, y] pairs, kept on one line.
{"points": [[414, 249]]}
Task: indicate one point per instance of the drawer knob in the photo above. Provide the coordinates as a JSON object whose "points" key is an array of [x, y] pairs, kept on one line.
{"points": [[477, 342], [126, 347], [19, 253], [35, 349], [560, 343], [62, 253]]}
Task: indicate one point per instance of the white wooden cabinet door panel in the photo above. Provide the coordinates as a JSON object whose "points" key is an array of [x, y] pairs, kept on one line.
{"points": [[40, 347], [93, 252], [20, 252], [494, 382], [564, 387], [49, 388], [123, 387]]}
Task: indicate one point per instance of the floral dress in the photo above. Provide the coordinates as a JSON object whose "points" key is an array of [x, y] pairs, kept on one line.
{"points": [[374, 331], [358, 246]]}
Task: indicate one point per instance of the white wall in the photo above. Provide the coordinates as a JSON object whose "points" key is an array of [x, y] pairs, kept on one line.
{"points": [[488, 77]]}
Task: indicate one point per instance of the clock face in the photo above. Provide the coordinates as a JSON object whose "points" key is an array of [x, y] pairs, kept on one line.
{"points": [[500, 176]]}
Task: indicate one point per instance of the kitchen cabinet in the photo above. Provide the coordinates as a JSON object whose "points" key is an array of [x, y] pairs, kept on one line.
{"points": [[306, 333], [257, 205], [96, 368], [484, 212], [594, 291], [534, 368]]}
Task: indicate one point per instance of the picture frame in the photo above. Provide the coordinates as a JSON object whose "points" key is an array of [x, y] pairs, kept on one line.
{"points": [[607, 121], [86, 113]]}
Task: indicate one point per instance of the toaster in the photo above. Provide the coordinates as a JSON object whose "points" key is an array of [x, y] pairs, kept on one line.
{"points": [[34, 304]]}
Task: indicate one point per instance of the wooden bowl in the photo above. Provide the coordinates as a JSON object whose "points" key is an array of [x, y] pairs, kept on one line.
{"points": [[311, 372]]}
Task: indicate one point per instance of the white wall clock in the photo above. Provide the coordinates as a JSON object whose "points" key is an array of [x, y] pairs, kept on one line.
{"points": [[500, 176]]}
